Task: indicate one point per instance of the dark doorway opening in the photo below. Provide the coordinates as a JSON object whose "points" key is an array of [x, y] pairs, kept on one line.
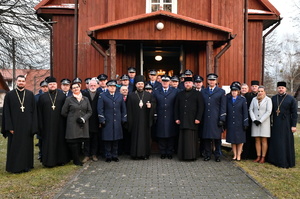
{"points": [[170, 60]]}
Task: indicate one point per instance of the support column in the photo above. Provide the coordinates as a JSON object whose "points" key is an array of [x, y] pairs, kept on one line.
{"points": [[209, 57], [113, 59]]}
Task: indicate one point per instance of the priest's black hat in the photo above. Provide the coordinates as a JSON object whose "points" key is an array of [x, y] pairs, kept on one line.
{"points": [[51, 79], [139, 78], [43, 83], [188, 79], [281, 84], [254, 82]]}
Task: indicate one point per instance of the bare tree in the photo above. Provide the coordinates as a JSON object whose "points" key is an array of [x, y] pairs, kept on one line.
{"points": [[18, 20]]}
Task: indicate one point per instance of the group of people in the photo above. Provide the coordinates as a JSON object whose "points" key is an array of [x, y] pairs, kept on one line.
{"points": [[125, 116]]}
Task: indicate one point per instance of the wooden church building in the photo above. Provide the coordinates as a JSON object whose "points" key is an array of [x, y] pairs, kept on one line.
{"points": [[90, 37]]}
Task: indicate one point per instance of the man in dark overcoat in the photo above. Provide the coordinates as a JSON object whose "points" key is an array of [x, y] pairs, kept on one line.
{"points": [[91, 145], [112, 114], [284, 114], [140, 109], [19, 124], [165, 125], [249, 151], [214, 117], [52, 126], [188, 113]]}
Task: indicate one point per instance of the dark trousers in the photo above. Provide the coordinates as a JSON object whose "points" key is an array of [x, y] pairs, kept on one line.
{"points": [[208, 147], [166, 145], [111, 149], [74, 149], [91, 145]]}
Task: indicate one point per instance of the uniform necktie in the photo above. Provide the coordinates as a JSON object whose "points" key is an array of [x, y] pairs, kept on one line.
{"points": [[165, 91], [233, 100], [210, 91]]}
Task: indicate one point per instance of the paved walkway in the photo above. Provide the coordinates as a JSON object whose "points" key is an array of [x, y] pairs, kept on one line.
{"points": [[157, 178]]}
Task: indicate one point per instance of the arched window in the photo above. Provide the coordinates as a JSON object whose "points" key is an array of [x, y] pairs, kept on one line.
{"points": [[167, 5]]}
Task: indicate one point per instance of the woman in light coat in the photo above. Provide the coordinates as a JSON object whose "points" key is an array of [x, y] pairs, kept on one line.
{"points": [[260, 110], [78, 110]]}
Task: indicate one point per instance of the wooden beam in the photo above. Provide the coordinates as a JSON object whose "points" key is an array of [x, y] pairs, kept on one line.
{"points": [[113, 59], [209, 57]]}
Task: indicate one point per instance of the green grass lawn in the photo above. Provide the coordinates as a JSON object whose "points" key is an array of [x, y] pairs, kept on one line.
{"points": [[282, 183], [40, 182]]}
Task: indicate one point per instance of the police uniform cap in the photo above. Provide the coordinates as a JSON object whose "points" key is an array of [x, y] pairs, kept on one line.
{"points": [[77, 80], [111, 83], [235, 87], [102, 77], [65, 81], [131, 70], [281, 84], [148, 86], [165, 78], [124, 77], [212, 76], [43, 83], [236, 83], [87, 80], [152, 72], [181, 75], [188, 72], [175, 78], [254, 82], [198, 78], [188, 79]]}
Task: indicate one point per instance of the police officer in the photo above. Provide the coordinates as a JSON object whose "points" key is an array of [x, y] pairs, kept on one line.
{"points": [[131, 74], [102, 83], [214, 117], [65, 87], [198, 82], [153, 80], [165, 125], [125, 82]]}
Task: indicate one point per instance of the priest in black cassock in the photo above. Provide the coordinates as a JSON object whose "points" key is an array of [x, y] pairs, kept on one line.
{"points": [[281, 147], [52, 126], [140, 113], [189, 106], [19, 124]]}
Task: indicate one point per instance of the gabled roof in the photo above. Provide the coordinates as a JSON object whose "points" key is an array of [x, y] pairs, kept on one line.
{"points": [[42, 3], [160, 13]]}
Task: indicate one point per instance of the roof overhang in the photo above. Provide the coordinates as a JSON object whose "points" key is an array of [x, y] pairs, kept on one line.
{"points": [[176, 28]]}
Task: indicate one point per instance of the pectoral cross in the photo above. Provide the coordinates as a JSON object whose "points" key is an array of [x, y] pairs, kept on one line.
{"points": [[53, 107], [278, 111], [22, 108]]}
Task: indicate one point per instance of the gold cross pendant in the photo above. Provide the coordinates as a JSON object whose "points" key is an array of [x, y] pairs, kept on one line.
{"points": [[278, 111]]}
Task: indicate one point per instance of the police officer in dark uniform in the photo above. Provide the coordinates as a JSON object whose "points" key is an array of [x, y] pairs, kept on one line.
{"points": [[65, 87], [126, 82], [214, 117], [153, 80], [102, 82], [131, 73], [165, 125]]}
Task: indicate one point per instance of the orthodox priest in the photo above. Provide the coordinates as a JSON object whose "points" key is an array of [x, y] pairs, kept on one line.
{"points": [[281, 147], [140, 113], [189, 106], [52, 126], [19, 124]]}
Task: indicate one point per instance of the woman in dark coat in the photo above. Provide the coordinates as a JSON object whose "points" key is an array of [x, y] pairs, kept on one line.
{"points": [[78, 110], [236, 121]]}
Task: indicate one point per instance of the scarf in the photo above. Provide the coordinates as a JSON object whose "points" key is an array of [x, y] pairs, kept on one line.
{"points": [[78, 97]]}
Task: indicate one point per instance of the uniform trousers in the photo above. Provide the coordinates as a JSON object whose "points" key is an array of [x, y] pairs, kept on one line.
{"points": [[111, 148], [208, 147], [166, 145]]}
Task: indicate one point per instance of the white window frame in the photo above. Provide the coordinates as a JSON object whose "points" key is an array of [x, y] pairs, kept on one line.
{"points": [[174, 6]]}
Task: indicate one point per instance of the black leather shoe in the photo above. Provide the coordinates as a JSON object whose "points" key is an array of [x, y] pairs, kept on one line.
{"points": [[108, 160], [206, 159], [218, 160], [163, 156], [170, 157], [116, 159]]}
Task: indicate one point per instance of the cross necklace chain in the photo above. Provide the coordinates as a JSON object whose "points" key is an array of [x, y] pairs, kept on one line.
{"points": [[21, 102], [140, 100], [278, 108], [53, 101]]}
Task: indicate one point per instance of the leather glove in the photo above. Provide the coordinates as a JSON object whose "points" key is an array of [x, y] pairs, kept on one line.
{"points": [[245, 128], [80, 120], [220, 123], [256, 122], [155, 118]]}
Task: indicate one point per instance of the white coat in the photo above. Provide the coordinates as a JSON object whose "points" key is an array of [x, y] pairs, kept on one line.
{"points": [[261, 112]]}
